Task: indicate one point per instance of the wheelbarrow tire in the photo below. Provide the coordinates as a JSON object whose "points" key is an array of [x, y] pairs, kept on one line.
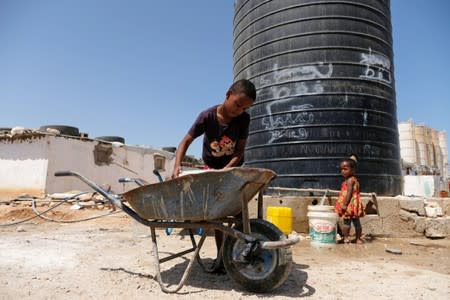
{"points": [[266, 269]]}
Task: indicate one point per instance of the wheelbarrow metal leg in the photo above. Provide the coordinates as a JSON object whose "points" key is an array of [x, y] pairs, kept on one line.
{"points": [[187, 271], [245, 218], [245, 215], [194, 246], [179, 254], [260, 205]]}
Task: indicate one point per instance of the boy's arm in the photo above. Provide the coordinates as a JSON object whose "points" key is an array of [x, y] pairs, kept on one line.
{"points": [[238, 153], [181, 152]]}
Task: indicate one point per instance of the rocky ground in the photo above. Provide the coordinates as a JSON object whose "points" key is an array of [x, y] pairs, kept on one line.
{"points": [[111, 257]]}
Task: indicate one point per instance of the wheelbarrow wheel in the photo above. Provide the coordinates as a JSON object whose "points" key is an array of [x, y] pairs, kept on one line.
{"points": [[261, 270]]}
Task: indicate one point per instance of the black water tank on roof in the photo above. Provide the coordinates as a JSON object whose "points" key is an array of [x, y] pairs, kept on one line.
{"points": [[324, 77]]}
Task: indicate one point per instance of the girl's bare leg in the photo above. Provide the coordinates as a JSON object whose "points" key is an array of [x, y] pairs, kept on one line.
{"points": [[346, 233], [358, 232]]}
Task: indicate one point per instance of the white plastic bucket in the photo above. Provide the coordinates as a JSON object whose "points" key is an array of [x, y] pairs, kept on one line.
{"points": [[322, 224], [321, 208]]}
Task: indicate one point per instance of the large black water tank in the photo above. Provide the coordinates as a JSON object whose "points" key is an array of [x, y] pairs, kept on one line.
{"points": [[324, 76]]}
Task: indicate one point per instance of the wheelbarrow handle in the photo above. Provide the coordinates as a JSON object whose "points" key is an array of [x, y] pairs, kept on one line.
{"points": [[291, 240], [138, 181], [64, 173], [124, 179], [111, 197]]}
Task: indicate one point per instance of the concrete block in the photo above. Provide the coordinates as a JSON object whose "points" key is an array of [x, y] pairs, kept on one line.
{"points": [[388, 206], [371, 224], [433, 212], [446, 206], [406, 215], [412, 221], [437, 227], [413, 205], [420, 224], [395, 226], [444, 203]]}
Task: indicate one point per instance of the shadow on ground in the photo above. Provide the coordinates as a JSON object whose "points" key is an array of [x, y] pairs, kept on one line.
{"points": [[295, 285]]}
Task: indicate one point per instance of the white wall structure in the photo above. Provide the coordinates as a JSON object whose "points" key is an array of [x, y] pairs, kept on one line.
{"points": [[425, 186], [424, 147], [28, 163], [443, 144], [408, 144], [436, 151], [422, 139]]}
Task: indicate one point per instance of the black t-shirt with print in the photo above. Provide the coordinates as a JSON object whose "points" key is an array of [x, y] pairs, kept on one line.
{"points": [[219, 140]]}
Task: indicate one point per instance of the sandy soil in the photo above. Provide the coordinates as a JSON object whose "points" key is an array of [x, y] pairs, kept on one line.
{"points": [[111, 258]]}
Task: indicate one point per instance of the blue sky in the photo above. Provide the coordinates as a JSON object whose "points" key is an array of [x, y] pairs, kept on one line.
{"points": [[144, 69]]}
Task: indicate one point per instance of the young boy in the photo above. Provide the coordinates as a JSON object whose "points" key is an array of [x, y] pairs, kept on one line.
{"points": [[225, 130]]}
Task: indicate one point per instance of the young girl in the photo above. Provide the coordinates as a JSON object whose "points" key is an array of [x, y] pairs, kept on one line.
{"points": [[349, 205]]}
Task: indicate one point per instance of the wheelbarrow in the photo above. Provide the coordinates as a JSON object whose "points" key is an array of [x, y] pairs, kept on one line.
{"points": [[255, 253]]}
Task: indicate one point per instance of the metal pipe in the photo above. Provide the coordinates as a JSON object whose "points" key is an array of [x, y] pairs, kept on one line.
{"points": [[112, 198]]}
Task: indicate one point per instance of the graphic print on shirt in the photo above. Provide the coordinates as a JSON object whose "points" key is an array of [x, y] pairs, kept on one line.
{"points": [[223, 147]]}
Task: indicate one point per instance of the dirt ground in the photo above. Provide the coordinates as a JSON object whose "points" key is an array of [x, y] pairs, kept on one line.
{"points": [[111, 257]]}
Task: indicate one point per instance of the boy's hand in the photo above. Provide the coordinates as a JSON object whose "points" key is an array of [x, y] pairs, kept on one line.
{"points": [[176, 171]]}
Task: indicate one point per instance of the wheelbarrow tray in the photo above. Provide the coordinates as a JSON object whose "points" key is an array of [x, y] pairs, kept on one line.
{"points": [[211, 195]]}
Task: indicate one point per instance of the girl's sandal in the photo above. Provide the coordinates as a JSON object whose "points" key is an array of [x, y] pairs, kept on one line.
{"points": [[346, 241]]}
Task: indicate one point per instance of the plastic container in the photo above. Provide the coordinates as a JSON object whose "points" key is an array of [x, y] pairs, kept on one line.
{"points": [[280, 217], [321, 208], [322, 225]]}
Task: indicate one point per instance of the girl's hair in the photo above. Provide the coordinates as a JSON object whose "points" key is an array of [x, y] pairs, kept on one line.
{"points": [[352, 160], [244, 86]]}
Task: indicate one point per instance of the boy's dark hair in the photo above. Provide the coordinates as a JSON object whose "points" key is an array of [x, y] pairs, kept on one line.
{"points": [[352, 160], [244, 86]]}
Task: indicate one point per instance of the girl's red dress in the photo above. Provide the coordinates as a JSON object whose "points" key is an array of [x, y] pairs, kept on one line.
{"points": [[355, 208]]}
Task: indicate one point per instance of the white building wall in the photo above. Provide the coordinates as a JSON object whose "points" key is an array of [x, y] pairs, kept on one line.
{"points": [[27, 166], [425, 186], [23, 167]]}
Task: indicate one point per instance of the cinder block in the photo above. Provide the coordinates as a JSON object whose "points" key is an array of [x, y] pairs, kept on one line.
{"points": [[412, 205], [420, 224], [388, 206], [371, 224], [437, 227]]}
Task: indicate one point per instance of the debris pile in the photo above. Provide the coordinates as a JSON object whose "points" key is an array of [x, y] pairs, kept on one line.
{"points": [[426, 217]]}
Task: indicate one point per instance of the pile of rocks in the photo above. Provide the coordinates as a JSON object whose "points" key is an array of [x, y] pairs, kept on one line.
{"points": [[426, 216]]}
